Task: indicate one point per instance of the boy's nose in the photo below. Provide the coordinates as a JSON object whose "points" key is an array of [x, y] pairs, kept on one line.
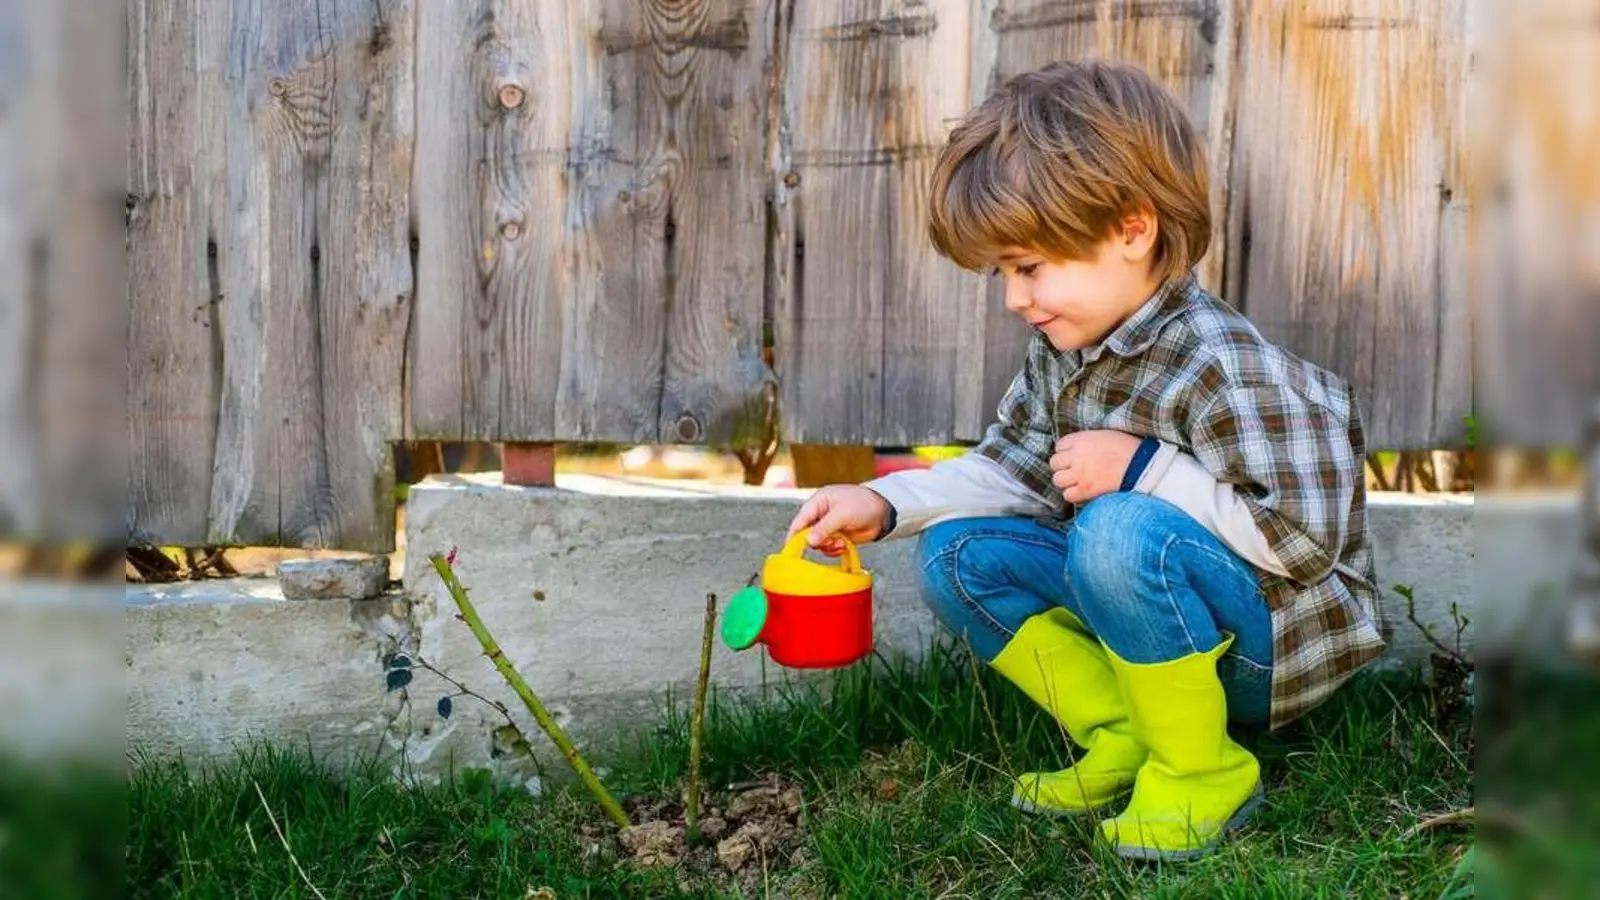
{"points": [[1018, 297]]}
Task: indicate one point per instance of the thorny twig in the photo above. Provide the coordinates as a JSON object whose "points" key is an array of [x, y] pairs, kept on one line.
{"points": [[1462, 622], [552, 729], [463, 690]]}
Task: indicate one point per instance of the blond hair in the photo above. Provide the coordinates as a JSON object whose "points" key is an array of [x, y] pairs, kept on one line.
{"points": [[1056, 158]]}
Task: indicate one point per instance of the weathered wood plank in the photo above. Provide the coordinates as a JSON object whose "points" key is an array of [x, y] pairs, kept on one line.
{"points": [[976, 395], [1454, 374], [1536, 196], [277, 241], [1341, 136], [701, 117], [21, 83], [79, 354], [1184, 44], [592, 220], [176, 155], [315, 282], [493, 128], [63, 329], [870, 321]]}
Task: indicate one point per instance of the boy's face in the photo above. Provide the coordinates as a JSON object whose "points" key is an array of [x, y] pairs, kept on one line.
{"points": [[1077, 303]]}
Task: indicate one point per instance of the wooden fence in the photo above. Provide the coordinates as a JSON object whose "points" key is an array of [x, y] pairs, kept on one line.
{"points": [[353, 222]]}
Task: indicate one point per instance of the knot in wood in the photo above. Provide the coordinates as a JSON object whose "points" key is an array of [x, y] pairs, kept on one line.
{"points": [[277, 88], [791, 179], [511, 231], [688, 428], [511, 95]]}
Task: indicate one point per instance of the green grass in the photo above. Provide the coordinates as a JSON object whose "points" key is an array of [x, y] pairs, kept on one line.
{"points": [[61, 830], [905, 778]]}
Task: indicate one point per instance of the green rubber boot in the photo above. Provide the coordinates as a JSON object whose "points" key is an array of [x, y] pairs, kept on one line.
{"points": [[1059, 666], [1198, 785]]}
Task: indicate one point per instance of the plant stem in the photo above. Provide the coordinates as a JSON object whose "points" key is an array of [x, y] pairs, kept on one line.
{"points": [[697, 723], [509, 672]]}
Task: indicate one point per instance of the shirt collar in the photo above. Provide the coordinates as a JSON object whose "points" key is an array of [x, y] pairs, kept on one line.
{"points": [[1138, 331]]}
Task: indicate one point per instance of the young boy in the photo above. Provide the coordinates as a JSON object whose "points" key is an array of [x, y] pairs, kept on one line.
{"points": [[1165, 529]]}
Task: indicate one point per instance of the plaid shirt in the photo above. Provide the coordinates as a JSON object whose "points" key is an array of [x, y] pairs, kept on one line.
{"points": [[1190, 370]]}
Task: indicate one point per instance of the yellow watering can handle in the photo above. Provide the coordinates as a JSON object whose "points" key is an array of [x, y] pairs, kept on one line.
{"points": [[796, 547]]}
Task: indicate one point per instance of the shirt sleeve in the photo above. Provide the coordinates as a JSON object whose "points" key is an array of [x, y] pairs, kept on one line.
{"points": [[969, 485], [1294, 466]]}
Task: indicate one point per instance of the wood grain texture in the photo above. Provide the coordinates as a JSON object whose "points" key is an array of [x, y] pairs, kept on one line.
{"points": [[1536, 232], [63, 326], [176, 186], [610, 200], [1454, 375], [277, 181], [700, 117], [23, 81], [78, 354], [871, 319], [1341, 141], [590, 183], [1187, 45]]}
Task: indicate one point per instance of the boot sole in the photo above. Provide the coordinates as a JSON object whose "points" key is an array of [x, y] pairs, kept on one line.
{"points": [[1235, 822], [1023, 804], [1058, 812]]}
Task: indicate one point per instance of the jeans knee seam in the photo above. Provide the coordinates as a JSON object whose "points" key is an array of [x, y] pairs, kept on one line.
{"points": [[1166, 588], [1231, 560], [948, 558], [977, 609]]}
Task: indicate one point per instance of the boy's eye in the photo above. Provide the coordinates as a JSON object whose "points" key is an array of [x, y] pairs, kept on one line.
{"points": [[1028, 270]]}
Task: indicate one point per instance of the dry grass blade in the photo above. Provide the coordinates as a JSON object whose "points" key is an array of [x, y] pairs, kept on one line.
{"points": [[285, 842], [1458, 817]]}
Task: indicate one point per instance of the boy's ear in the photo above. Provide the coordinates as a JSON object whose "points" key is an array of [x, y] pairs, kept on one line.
{"points": [[1138, 237]]}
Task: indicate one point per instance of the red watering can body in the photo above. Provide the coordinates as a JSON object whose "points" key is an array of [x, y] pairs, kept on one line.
{"points": [[809, 615]]}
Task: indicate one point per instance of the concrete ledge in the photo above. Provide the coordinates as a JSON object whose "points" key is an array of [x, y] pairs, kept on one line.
{"points": [[596, 590], [215, 665], [61, 687]]}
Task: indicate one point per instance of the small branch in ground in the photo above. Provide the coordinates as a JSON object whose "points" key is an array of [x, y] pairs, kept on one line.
{"points": [[697, 723], [206, 559], [1458, 817], [152, 565], [1405, 591], [552, 729], [463, 690]]}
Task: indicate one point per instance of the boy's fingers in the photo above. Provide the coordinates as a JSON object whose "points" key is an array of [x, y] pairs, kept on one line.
{"points": [[822, 531], [808, 514]]}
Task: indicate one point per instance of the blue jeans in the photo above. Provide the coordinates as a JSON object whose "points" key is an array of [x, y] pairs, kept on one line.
{"points": [[1149, 581]]}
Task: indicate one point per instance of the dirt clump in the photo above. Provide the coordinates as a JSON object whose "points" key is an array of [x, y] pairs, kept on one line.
{"points": [[747, 831]]}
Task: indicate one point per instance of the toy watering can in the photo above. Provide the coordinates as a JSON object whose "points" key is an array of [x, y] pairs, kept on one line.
{"points": [[810, 615]]}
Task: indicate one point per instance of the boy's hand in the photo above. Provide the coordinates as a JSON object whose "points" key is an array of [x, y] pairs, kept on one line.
{"points": [[1087, 464], [851, 510]]}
